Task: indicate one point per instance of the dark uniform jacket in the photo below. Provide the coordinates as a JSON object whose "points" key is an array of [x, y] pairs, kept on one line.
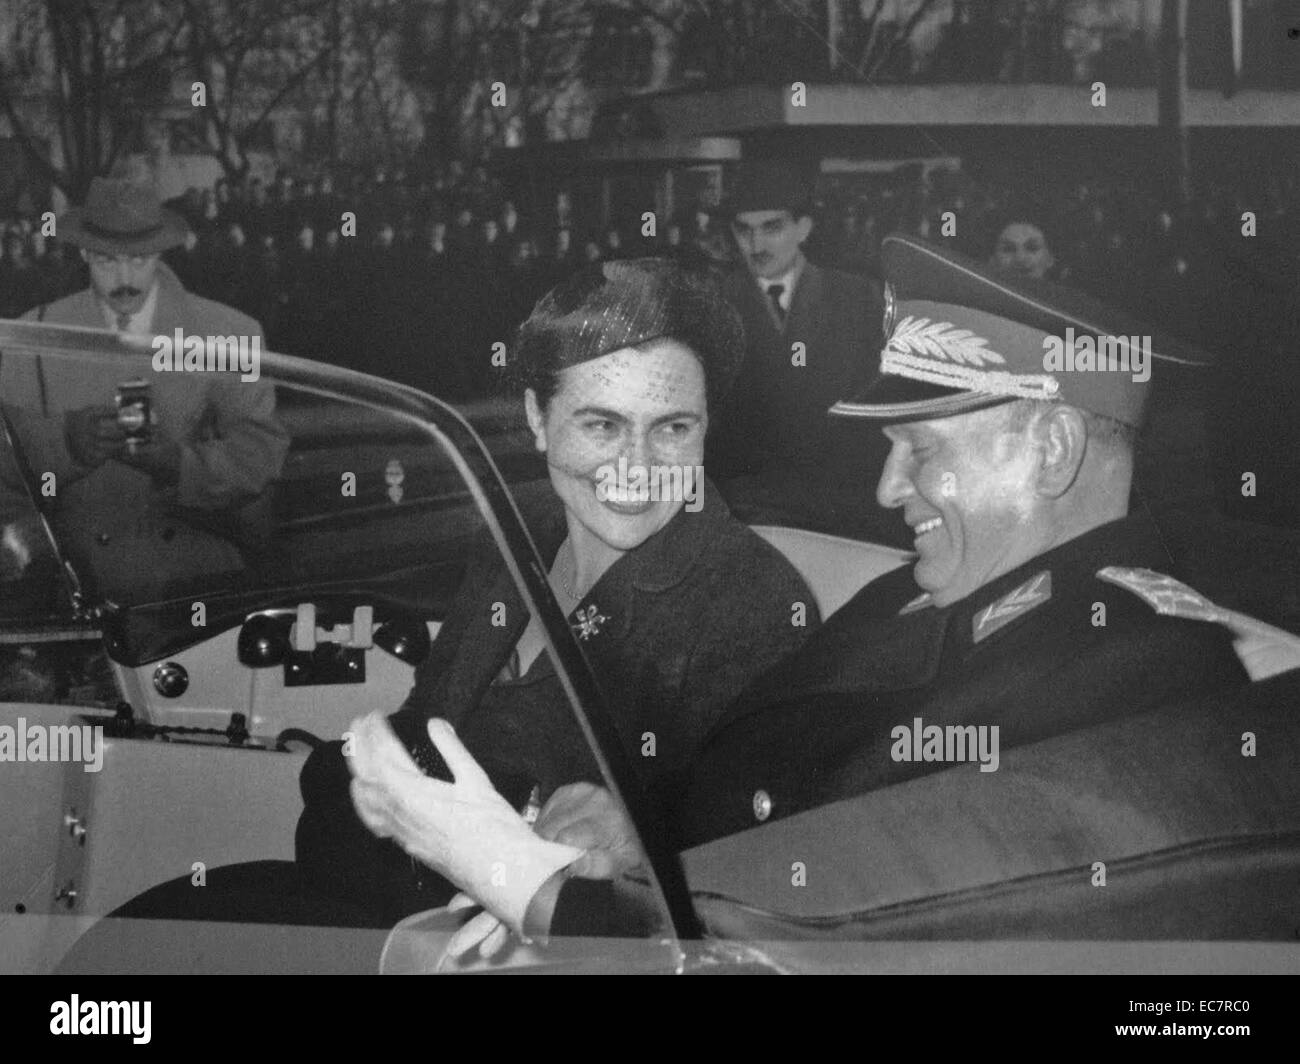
{"points": [[675, 630], [799, 465], [1026, 653]]}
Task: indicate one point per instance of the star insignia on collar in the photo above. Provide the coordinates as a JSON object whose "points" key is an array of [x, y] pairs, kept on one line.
{"points": [[589, 622], [1033, 592]]}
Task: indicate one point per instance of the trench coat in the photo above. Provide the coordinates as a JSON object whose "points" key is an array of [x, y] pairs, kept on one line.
{"points": [[127, 535]]}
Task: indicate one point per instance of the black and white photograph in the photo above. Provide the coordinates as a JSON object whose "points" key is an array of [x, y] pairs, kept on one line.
{"points": [[650, 487]]}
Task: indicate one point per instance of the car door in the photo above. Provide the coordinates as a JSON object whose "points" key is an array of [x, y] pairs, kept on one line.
{"points": [[236, 637]]}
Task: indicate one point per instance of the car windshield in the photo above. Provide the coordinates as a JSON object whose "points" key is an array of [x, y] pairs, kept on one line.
{"points": [[183, 503], [278, 486]]}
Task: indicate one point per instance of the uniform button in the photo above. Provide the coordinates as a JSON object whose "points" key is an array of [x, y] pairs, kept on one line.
{"points": [[762, 805], [102, 539]]}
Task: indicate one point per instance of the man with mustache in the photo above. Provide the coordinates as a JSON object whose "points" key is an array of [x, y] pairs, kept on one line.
{"points": [[190, 500], [810, 335]]}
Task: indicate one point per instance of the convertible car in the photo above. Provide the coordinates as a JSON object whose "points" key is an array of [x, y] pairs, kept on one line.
{"points": [[210, 648]]}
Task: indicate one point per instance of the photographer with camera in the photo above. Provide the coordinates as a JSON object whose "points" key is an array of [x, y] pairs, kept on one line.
{"points": [[159, 476]]}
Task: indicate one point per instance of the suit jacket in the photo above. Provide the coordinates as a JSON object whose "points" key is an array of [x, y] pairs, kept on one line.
{"points": [[799, 465], [689, 619], [1024, 653], [129, 535]]}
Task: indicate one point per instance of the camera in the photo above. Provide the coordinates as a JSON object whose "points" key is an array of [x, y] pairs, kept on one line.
{"points": [[134, 413]]}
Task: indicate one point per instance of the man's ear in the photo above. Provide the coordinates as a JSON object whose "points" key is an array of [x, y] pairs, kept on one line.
{"points": [[1062, 437], [536, 420], [803, 226]]}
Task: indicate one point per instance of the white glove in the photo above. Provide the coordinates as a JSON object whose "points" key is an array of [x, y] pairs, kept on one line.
{"points": [[464, 830]]}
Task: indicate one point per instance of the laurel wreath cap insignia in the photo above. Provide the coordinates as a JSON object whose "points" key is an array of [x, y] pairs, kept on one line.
{"points": [[942, 340]]}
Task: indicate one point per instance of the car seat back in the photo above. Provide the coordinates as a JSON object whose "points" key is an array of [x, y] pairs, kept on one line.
{"points": [[834, 568]]}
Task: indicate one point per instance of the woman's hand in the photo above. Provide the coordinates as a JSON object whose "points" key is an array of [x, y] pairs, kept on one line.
{"points": [[483, 930], [578, 814], [465, 830], [587, 816]]}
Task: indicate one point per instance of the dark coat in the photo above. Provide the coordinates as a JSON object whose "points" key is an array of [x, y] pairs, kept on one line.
{"points": [[692, 617], [801, 466], [130, 536], [818, 728]]}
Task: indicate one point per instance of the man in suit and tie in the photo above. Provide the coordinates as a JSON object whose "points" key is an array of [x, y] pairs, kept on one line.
{"points": [[811, 335]]}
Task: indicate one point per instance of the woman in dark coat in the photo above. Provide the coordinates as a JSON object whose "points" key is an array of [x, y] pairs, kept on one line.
{"points": [[677, 604]]}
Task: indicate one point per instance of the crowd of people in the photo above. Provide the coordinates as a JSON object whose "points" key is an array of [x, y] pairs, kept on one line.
{"points": [[34, 268], [383, 273], [425, 274], [1118, 239]]}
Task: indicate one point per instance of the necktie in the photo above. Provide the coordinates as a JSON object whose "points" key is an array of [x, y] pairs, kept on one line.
{"points": [[124, 323], [775, 291]]}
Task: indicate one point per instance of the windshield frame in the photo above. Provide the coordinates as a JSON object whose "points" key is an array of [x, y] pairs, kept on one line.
{"points": [[466, 452]]}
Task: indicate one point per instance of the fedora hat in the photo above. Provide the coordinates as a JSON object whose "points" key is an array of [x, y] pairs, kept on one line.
{"points": [[771, 185], [122, 218]]}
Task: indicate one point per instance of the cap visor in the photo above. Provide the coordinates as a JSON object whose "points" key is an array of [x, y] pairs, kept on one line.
{"points": [[923, 271], [893, 398]]}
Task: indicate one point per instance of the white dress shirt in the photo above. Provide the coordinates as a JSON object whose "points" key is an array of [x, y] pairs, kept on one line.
{"points": [[787, 281]]}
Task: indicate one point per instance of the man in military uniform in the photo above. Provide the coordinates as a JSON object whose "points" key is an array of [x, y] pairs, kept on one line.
{"points": [[1025, 616]]}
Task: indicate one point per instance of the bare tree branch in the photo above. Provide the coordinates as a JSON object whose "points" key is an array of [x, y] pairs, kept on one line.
{"points": [[294, 81], [900, 39], [26, 138]]}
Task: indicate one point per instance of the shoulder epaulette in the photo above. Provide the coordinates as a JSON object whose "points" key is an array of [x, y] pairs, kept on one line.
{"points": [[1164, 594], [1264, 650]]}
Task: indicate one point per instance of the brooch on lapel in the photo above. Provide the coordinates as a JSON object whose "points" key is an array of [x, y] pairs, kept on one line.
{"points": [[589, 623]]}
